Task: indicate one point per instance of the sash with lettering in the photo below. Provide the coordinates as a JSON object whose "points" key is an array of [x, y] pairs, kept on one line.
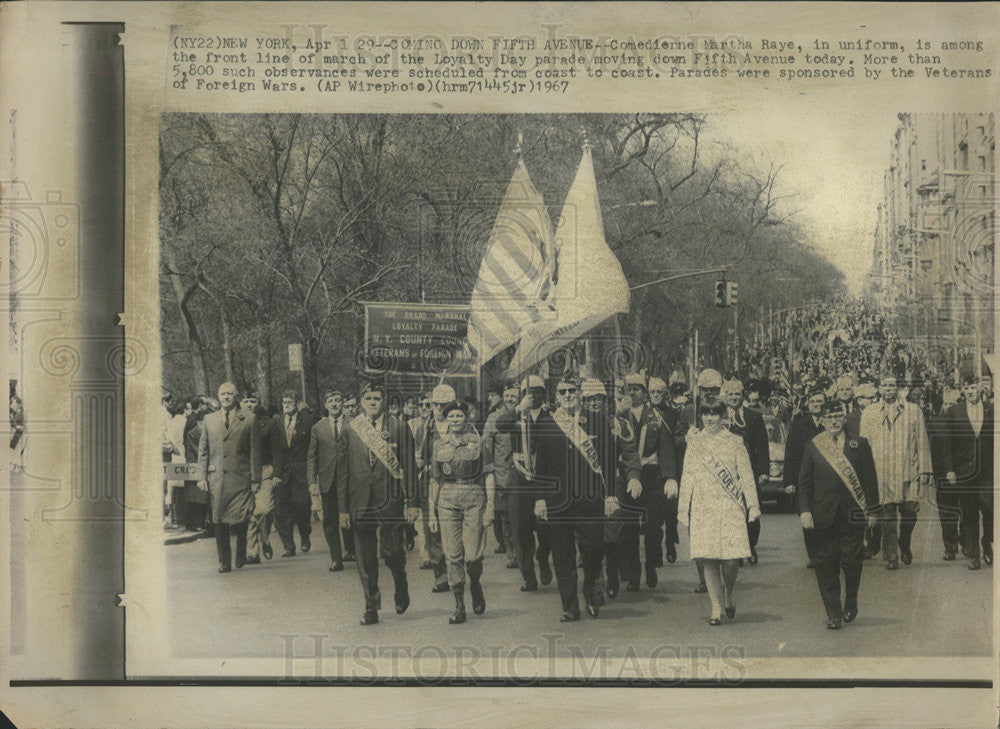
{"points": [[571, 427], [377, 445], [836, 458], [718, 469]]}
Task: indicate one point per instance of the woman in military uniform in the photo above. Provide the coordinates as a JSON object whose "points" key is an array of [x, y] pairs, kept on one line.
{"points": [[462, 506]]}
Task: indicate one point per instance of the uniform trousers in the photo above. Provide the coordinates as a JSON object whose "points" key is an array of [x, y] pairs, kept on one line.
{"points": [[837, 548], [646, 519], [331, 524], [896, 537], [523, 526], [435, 550], [977, 501], [224, 546], [378, 535], [293, 508], [568, 532], [460, 511]]}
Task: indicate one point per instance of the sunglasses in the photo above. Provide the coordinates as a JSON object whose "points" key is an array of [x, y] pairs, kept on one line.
{"points": [[566, 390]]}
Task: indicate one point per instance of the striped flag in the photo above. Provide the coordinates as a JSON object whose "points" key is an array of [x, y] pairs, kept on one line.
{"points": [[515, 274]]}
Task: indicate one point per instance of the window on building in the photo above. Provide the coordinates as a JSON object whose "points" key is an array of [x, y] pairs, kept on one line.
{"points": [[981, 131], [982, 163], [982, 190], [923, 165]]}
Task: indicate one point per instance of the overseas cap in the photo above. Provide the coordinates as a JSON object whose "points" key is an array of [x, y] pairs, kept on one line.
{"points": [[635, 379], [732, 386], [592, 388], [655, 383], [709, 378], [531, 382]]}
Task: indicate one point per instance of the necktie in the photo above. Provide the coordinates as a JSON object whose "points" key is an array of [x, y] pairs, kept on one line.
{"points": [[371, 453], [227, 420], [336, 432], [288, 429]]}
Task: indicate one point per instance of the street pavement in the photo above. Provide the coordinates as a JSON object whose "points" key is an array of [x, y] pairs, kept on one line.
{"points": [[930, 608]]}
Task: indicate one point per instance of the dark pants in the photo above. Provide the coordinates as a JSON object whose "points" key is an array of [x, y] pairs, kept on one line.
{"points": [[949, 503], [670, 536], [331, 524], [224, 546], [293, 507], [521, 509], [565, 535], [839, 547], [977, 502], [374, 537], [893, 540], [647, 520], [501, 525]]}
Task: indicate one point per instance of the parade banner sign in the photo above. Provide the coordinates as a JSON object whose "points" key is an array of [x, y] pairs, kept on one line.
{"points": [[418, 339]]}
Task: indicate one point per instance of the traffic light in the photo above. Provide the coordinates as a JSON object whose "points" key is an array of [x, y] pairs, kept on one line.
{"points": [[733, 293], [721, 290]]}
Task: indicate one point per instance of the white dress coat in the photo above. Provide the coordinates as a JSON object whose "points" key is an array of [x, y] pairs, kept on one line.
{"points": [[717, 524]]}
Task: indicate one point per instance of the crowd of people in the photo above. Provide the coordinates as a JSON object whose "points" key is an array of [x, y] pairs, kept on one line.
{"points": [[575, 478]]}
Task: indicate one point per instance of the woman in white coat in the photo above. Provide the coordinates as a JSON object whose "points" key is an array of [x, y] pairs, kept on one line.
{"points": [[717, 498]]}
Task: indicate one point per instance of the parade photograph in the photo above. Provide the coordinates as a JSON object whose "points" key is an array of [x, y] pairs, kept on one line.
{"points": [[574, 387]]}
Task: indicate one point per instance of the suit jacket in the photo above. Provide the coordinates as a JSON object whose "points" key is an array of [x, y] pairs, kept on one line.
{"points": [[968, 455], [524, 434], [802, 430], [325, 463], [290, 460], [657, 446], [368, 487], [230, 460], [822, 492], [755, 439]]}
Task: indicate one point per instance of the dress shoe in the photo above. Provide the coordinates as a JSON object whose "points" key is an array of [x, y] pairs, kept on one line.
{"points": [[337, 567], [730, 611], [570, 616], [701, 588], [593, 609], [949, 557], [225, 568], [499, 550], [252, 560], [613, 587], [671, 554], [478, 598], [906, 555], [441, 587], [402, 602], [975, 565], [715, 621], [834, 624], [268, 552], [426, 565], [529, 587], [288, 553], [651, 579], [350, 558], [753, 555], [512, 565], [632, 586], [988, 556], [850, 612], [893, 564], [369, 618], [306, 546], [545, 573], [239, 563]]}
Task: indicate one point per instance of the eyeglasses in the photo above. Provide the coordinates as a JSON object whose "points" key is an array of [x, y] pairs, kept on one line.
{"points": [[566, 390], [426, 404]]}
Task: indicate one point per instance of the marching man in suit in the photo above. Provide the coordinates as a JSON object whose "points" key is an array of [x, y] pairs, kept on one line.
{"points": [[647, 498], [838, 497], [749, 425], [289, 451], [380, 479], [229, 466], [325, 467], [968, 457]]}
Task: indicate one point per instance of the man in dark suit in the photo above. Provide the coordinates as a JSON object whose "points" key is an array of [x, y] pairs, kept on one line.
{"points": [[948, 495], [749, 425], [325, 468], [803, 429], [658, 393], [528, 418], [654, 444], [378, 496], [229, 467], [968, 461], [289, 451], [837, 497]]}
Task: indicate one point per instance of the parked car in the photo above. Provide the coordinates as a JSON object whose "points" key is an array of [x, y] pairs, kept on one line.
{"points": [[773, 492]]}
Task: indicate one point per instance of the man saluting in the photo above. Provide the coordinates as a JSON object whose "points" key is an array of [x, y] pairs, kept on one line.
{"points": [[838, 496], [380, 479]]}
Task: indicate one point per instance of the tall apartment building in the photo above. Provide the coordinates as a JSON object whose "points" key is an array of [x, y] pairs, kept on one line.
{"points": [[935, 234]]}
